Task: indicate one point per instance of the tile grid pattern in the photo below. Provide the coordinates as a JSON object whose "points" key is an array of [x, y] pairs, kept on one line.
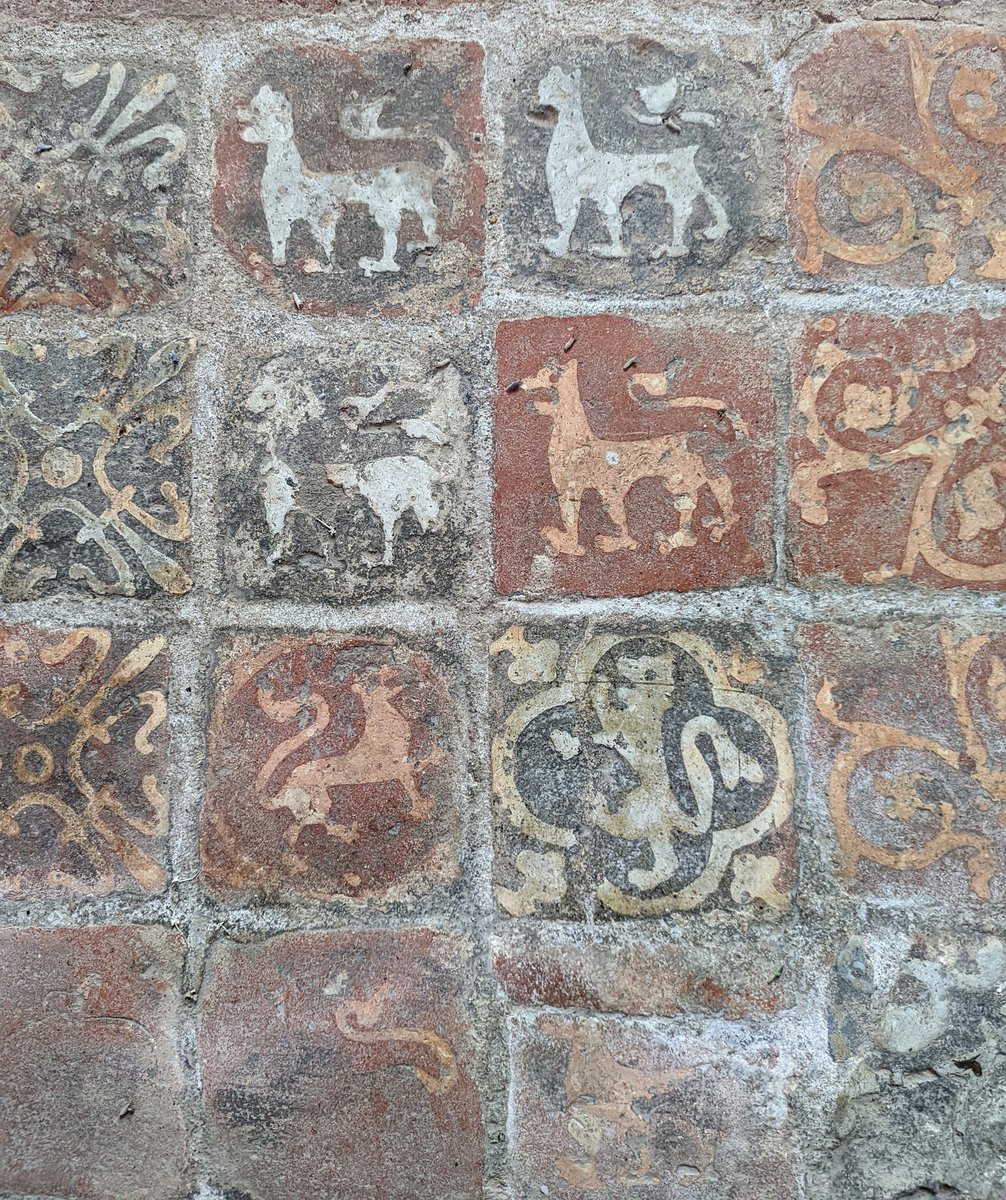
{"points": [[784, 977]]}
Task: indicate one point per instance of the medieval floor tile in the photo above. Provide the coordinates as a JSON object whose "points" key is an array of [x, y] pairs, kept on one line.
{"points": [[898, 453], [906, 742], [632, 169], [610, 1109], [83, 760], [639, 772], [346, 473], [918, 1029], [897, 163], [333, 771], [353, 182], [898, 456], [94, 435], [630, 459], [92, 185], [339, 1064], [91, 1099], [727, 976]]}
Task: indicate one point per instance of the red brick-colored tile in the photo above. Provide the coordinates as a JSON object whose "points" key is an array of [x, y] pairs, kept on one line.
{"points": [[896, 163], [332, 771], [672, 427], [897, 452], [906, 744], [642, 978], [412, 109], [93, 185], [608, 1109], [340, 1064], [90, 1079], [83, 761]]}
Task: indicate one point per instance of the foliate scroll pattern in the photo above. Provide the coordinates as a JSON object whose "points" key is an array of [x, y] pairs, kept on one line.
{"points": [[91, 213], [83, 732], [942, 420], [898, 180], [940, 796], [95, 438]]}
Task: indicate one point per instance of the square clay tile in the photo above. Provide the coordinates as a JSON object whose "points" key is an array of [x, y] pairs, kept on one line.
{"points": [[898, 452], [95, 435], [83, 761], [896, 162], [93, 170], [353, 181], [633, 169], [611, 1109], [917, 1024], [347, 471], [640, 771], [334, 770], [341, 1064], [91, 1100], [630, 458], [906, 746]]}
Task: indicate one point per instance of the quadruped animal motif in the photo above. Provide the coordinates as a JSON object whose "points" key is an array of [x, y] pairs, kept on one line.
{"points": [[381, 755], [576, 170], [615, 694], [580, 461], [601, 1095], [292, 192]]}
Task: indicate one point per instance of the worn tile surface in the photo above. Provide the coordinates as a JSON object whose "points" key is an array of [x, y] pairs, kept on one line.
{"points": [[347, 473], [723, 976], [91, 1099], [354, 181], [906, 745], [917, 1027], [333, 768], [896, 157], [611, 1109], [630, 459], [366, 1086], [92, 185], [632, 168], [898, 452], [638, 772], [83, 761], [94, 446]]}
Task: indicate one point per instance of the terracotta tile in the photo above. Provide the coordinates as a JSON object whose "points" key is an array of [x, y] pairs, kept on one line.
{"points": [[83, 761], [328, 240], [607, 1109], [896, 163], [93, 165], [906, 745], [333, 771], [340, 1063], [630, 459], [639, 771], [347, 472], [897, 453], [917, 1025], [96, 435], [634, 169], [91, 1101], [643, 977]]}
